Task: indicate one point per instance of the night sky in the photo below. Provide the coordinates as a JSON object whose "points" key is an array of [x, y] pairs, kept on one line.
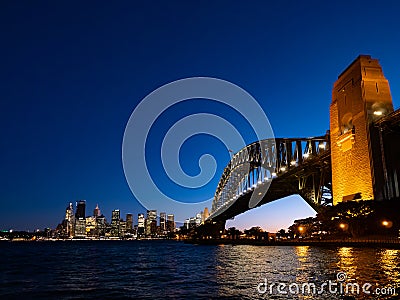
{"points": [[72, 72]]}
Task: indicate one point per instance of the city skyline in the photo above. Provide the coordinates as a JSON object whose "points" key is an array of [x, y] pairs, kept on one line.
{"points": [[69, 88]]}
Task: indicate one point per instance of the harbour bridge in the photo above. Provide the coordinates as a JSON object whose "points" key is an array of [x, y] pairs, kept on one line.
{"points": [[358, 158]]}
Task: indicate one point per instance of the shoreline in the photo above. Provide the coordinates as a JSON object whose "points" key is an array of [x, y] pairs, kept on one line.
{"points": [[390, 244]]}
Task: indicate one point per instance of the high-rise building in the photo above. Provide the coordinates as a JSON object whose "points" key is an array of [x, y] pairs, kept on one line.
{"points": [[163, 222], [115, 223], [80, 209], [141, 225], [170, 223], [96, 211], [69, 221], [101, 225], [80, 228], [91, 228], [151, 222], [122, 228], [80, 221], [129, 223]]}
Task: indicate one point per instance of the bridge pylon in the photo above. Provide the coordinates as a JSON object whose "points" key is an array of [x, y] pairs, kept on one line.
{"points": [[360, 97]]}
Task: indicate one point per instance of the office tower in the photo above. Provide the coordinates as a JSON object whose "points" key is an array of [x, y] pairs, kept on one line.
{"points": [[129, 223], [80, 228], [170, 223], [163, 222], [91, 228], [80, 222], [122, 228], [141, 223], [80, 209], [96, 211], [69, 221], [115, 223], [151, 222], [101, 225]]}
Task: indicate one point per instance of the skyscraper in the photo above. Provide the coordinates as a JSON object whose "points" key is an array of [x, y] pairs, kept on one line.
{"points": [[115, 223], [80, 221], [151, 222], [163, 222], [96, 211], [129, 223], [141, 224], [170, 223], [80, 209], [69, 221]]}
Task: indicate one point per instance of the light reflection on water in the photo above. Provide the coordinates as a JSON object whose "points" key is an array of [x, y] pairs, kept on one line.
{"points": [[151, 270]]}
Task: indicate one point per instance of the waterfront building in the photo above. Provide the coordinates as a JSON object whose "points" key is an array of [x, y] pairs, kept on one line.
{"points": [[170, 223], [122, 228], [69, 221], [80, 228], [101, 225], [163, 223], [91, 228], [129, 223], [141, 225], [80, 209], [80, 222], [151, 223], [96, 211], [115, 223]]}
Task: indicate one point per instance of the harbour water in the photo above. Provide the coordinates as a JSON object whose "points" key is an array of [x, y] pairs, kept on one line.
{"points": [[175, 270]]}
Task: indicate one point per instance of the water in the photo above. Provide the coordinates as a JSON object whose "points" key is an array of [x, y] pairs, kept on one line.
{"points": [[174, 270]]}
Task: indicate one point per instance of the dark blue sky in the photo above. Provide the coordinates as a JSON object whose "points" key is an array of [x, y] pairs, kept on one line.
{"points": [[71, 73]]}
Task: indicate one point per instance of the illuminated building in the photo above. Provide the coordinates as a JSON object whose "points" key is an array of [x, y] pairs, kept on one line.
{"points": [[360, 96], [170, 223], [96, 211], [151, 223], [69, 221], [80, 228], [80, 209], [122, 228], [141, 225], [101, 225], [91, 228], [115, 223], [80, 221], [129, 223], [163, 222]]}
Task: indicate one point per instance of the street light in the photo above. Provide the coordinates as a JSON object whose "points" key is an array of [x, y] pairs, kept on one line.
{"points": [[387, 223]]}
